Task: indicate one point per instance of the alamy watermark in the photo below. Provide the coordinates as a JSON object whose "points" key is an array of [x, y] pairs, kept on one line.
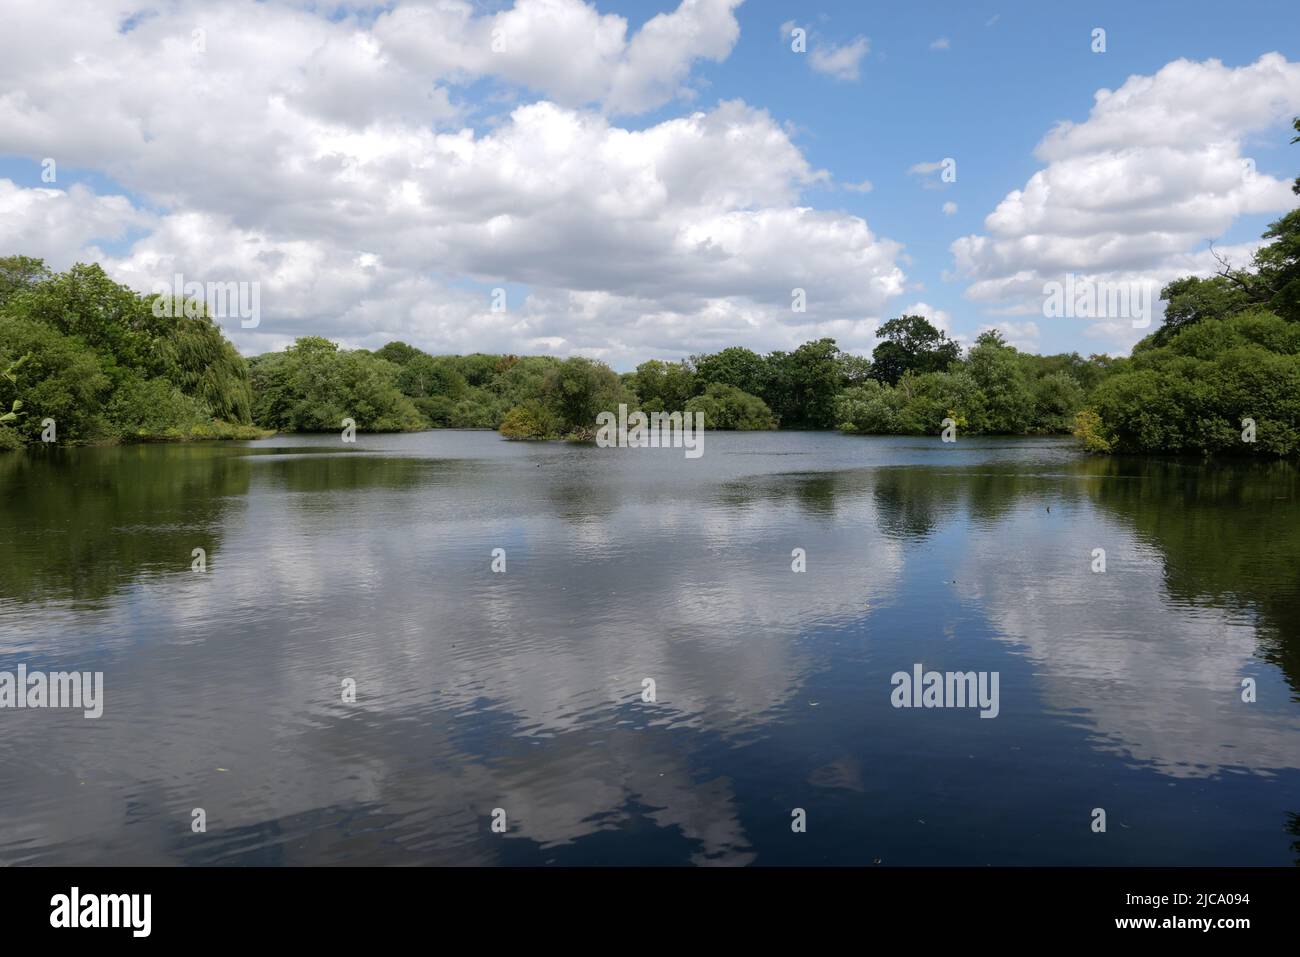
{"points": [[224, 300], [657, 430], [129, 911], [54, 689], [1082, 298], [947, 689]]}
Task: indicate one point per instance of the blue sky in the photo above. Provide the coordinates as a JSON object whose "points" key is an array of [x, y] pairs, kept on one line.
{"points": [[319, 228], [1009, 74]]}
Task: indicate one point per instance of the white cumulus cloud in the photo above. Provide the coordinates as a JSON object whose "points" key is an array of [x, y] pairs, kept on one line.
{"points": [[1133, 193]]}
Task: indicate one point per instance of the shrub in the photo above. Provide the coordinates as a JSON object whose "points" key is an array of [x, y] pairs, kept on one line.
{"points": [[1192, 394], [726, 407], [140, 408], [1089, 430], [529, 421], [313, 385], [61, 378]]}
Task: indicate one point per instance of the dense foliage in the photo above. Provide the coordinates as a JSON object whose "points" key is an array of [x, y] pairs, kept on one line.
{"points": [[313, 386], [1201, 390], [1221, 375], [726, 407], [92, 356], [995, 389]]}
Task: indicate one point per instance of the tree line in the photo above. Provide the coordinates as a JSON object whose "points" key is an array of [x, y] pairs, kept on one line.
{"points": [[94, 357], [103, 364]]}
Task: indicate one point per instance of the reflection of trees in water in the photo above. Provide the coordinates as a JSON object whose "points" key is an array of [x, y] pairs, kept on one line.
{"points": [[347, 471], [1228, 532], [82, 523], [1229, 535], [582, 498], [911, 501], [910, 506], [914, 502], [818, 494]]}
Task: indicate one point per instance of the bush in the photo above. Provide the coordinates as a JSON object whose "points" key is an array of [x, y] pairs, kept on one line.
{"points": [[140, 408], [930, 398], [1057, 400], [1192, 394], [872, 408], [529, 421], [578, 389], [103, 365], [1089, 430], [61, 379], [313, 385], [726, 407]]}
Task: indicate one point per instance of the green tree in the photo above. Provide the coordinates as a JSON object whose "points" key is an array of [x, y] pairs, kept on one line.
{"points": [[803, 385], [578, 389], [1277, 267], [479, 368], [20, 274], [202, 364], [1193, 394], [931, 397], [1057, 398], [1192, 299], [398, 353], [313, 385], [1007, 404], [911, 344], [61, 378], [871, 408], [740, 368], [663, 386], [110, 318], [854, 370], [133, 342], [1271, 281], [726, 407]]}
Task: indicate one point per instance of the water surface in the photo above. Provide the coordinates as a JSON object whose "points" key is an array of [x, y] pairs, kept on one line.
{"points": [[523, 691]]}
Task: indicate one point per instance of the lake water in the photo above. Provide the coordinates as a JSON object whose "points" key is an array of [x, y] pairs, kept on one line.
{"points": [[524, 691]]}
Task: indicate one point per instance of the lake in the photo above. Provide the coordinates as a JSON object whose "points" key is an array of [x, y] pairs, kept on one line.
{"points": [[648, 680]]}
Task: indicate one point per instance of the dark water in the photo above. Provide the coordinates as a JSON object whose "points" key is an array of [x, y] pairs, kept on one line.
{"points": [[523, 690]]}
